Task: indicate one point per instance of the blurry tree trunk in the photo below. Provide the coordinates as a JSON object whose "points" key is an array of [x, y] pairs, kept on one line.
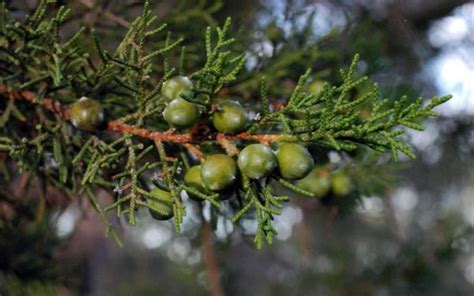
{"points": [[210, 261]]}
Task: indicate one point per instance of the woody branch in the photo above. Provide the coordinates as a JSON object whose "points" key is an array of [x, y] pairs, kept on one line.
{"points": [[166, 136]]}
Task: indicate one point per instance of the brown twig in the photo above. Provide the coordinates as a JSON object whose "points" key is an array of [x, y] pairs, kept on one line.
{"points": [[26, 95], [228, 146], [166, 136], [194, 150]]}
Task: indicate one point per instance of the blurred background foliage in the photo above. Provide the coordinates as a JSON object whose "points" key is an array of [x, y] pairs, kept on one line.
{"points": [[412, 233]]}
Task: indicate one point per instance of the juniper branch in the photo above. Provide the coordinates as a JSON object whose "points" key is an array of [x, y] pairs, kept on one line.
{"points": [[41, 75]]}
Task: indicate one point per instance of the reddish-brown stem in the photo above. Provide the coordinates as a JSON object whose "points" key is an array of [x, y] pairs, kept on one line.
{"points": [[26, 95], [120, 127], [194, 150], [229, 147]]}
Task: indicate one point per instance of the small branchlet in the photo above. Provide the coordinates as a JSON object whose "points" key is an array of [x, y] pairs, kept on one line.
{"points": [[137, 149]]}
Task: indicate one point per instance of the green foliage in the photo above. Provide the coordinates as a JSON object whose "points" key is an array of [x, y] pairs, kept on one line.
{"points": [[128, 84], [15, 287], [332, 117]]}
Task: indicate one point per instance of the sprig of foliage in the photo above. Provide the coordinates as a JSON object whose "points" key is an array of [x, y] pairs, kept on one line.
{"points": [[333, 118], [41, 74], [266, 206]]}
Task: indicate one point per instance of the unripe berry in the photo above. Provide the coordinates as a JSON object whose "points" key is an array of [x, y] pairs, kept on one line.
{"points": [[257, 161], [294, 161], [230, 117], [176, 86], [86, 114], [193, 179], [165, 209], [218, 172], [317, 182], [341, 184], [181, 114]]}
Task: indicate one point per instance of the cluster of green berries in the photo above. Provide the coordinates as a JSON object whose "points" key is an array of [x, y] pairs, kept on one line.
{"points": [[219, 172], [320, 181], [229, 116]]}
